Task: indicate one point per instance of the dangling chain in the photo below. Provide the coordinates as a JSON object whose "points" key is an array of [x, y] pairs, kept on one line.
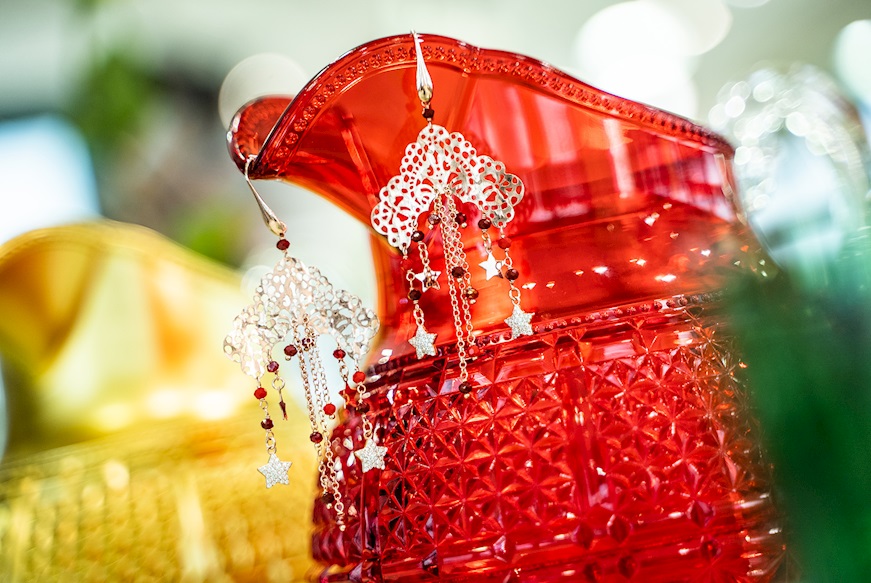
{"points": [[438, 169], [295, 304], [315, 383], [459, 279]]}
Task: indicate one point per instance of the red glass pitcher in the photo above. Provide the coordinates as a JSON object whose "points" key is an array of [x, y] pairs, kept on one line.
{"points": [[614, 444]]}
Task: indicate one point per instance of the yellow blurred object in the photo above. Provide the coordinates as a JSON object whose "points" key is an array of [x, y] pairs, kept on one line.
{"points": [[134, 442]]}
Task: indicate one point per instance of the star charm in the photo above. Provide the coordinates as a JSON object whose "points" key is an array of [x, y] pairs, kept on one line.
{"points": [[424, 342], [518, 321], [429, 279], [492, 266], [371, 456], [275, 471]]}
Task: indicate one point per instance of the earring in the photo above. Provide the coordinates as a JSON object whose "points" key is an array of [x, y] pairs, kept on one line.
{"points": [[294, 305], [439, 171]]}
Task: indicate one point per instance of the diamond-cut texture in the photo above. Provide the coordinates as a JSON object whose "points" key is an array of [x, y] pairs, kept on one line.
{"points": [[626, 448]]}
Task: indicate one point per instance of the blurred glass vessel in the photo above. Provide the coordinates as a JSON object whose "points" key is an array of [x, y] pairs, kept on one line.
{"points": [[615, 443]]}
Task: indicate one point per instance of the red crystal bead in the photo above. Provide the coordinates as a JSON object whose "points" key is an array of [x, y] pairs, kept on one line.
{"points": [[359, 376], [460, 219], [338, 354], [458, 271], [484, 224], [266, 423], [290, 350], [329, 409], [465, 387], [503, 242], [362, 407], [328, 498], [260, 393], [511, 274], [414, 294], [417, 236], [428, 114], [272, 366], [316, 437], [283, 244], [470, 293], [433, 220]]}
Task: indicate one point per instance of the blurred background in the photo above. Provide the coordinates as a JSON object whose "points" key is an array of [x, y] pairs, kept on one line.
{"points": [[117, 109]]}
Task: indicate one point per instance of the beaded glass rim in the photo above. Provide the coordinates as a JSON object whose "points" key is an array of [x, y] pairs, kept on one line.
{"points": [[398, 52]]}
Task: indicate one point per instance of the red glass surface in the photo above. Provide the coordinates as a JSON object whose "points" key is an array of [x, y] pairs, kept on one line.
{"points": [[612, 445]]}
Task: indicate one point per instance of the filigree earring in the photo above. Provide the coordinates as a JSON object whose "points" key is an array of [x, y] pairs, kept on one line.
{"points": [[294, 305], [438, 171]]}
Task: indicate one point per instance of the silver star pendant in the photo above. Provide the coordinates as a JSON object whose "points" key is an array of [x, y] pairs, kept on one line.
{"points": [[429, 279], [492, 266], [423, 342], [275, 471], [518, 321], [371, 456]]}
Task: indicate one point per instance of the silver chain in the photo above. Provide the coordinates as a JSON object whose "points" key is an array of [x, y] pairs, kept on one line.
{"points": [[455, 256]]}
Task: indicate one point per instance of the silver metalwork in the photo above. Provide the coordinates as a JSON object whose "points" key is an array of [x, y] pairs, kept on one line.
{"points": [[436, 162], [275, 471], [291, 299], [272, 221], [371, 456], [424, 81]]}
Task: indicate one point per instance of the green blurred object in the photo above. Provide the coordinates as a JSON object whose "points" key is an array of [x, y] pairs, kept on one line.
{"points": [[111, 102], [809, 362]]}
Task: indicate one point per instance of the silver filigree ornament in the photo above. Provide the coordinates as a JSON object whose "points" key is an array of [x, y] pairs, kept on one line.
{"points": [[439, 162], [439, 172], [295, 305], [292, 298]]}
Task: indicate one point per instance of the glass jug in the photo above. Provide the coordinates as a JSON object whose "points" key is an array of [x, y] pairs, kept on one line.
{"points": [[614, 444]]}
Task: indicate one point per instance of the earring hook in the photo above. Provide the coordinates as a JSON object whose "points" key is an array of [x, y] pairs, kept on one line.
{"points": [[424, 81], [272, 221]]}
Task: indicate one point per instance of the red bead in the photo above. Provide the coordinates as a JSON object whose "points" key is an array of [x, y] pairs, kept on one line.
{"points": [[465, 387], [433, 220], [470, 293], [417, 236], [260, 393], [359, 377], [290, 350], [414, 294], [316, 437], [272, 366], [428, 114], [511, 274], [329, 409], [283, 244], [266, 423], [362, 407], [484, 224], [460, 219], [328, 498], [458, 272], [338, 354], [503, 242]]}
